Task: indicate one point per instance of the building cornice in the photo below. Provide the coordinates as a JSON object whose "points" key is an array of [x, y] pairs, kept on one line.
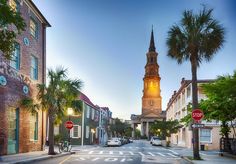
{"points": [[184, 84], [37, 13]]}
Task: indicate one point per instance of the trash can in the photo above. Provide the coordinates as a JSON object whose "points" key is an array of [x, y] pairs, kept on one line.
{"points": [[202, 147]]}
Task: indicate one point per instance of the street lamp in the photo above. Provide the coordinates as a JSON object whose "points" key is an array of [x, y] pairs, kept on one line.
{"points": [[69, 112]]}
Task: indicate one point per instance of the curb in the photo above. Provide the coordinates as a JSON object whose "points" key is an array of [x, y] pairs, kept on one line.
{"points": [[223, 154], [186, 159], [41, 158]]}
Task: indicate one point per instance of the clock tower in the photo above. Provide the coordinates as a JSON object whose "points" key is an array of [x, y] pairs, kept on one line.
{"points": [[151, 100]]}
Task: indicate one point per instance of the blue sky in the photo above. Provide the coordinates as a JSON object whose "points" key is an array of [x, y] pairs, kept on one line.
{"points": [[104, 43]]}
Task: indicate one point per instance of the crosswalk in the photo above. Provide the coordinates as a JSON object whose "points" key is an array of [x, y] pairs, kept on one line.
{"points": [[171, 154]]}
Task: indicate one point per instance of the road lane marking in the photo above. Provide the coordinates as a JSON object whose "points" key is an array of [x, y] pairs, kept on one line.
{"points": [[202, 153], [95, 159], [151, 154], [111, 159], [120, 152], [172, 155], [140, 153], [100, 152], [90, 152], [110, 152], [131, 152], [173, 152], [124, 159], [82, 158], [161, 154], [65, 160]]}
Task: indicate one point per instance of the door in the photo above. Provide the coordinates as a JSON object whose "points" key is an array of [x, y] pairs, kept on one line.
{"points": [[13, 130]]}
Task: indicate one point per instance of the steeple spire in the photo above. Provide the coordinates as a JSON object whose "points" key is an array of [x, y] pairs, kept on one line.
{"points": [[152, 43]]}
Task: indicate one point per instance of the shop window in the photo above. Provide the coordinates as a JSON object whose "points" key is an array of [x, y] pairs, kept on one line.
{"points": [[205, 135]]}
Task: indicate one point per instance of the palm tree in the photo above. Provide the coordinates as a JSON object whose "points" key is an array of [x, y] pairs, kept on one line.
{"points": [[197, 38], [55, 98]]}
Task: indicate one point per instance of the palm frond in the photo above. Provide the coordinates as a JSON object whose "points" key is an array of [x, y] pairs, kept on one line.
{"points": [[28, 104]]}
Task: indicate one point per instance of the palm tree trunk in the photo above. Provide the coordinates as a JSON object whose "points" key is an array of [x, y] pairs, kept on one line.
{"points": [[195, 106], [51, 134]]}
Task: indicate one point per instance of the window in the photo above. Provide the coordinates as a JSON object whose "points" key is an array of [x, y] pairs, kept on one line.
{"points": [[189, 91], [34, 68], [93, 113], [87, 132], [15, 5], [34, 126], [33, 28], [205, 135], [76, 131], [15, 61], [88, 111]]}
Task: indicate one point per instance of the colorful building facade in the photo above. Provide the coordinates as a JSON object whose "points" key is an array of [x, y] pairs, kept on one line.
{"points": [[21, 131], [90, 127], [209, 136]]}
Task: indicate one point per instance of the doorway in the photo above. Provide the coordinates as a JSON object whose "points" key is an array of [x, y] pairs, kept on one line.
{"points": [[13, 130]]}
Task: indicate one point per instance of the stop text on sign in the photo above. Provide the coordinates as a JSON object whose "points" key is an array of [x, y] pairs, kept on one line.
{"points": [[197, 114]]}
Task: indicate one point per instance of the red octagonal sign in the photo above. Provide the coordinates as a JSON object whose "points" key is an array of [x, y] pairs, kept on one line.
{"points": [[197, 114], [69, 124]]}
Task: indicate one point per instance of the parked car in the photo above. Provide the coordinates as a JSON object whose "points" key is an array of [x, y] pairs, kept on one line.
{"points": [[114, 142], [131, 140], [156, 141], [154, 137]]}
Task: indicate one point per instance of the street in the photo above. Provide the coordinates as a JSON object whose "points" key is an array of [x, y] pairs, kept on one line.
{"points": [[138, 152]]}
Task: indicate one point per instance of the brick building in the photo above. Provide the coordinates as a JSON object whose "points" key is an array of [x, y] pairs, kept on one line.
{"points": [[21, 131]]}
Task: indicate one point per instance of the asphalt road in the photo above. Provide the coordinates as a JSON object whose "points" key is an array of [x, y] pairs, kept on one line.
{"points": [[133, 153]]}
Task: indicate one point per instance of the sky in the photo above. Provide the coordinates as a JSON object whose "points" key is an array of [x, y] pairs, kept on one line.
{"points": [[104, 43]]}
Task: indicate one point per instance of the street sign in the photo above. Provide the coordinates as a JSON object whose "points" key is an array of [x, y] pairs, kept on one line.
{"points": [[198, 125], [69, 124], [197, 114]]}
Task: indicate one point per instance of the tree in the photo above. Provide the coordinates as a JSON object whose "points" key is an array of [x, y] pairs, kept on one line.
{"points": [[55, 98], [128, 130], [137, 133], [118, 128], [197, 38], [164, 129], [11, 25], [221, 102]]}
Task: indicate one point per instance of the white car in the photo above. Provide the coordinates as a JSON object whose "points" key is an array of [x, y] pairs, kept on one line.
{"points": [[114, 142], [156, 141]]}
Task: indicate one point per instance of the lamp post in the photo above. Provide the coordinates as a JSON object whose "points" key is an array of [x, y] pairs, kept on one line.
{"points": [[69, 112]]}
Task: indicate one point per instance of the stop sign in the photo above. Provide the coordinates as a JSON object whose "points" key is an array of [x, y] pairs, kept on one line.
{"points": [[197, 114], [69, 124]]}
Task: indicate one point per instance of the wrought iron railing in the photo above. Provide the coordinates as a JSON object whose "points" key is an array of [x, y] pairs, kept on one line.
{"points": [[228, 145]]}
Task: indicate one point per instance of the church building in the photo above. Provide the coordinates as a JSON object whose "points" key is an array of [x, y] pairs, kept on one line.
{"points": [[151, 99]]}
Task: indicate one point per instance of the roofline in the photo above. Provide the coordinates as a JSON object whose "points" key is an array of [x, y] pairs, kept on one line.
{"points": [[38, 13], [185, 83]]}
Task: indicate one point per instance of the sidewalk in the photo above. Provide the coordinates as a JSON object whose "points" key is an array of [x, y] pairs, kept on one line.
{"points": [[208, 156], [42, 155], [30, 157]]}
